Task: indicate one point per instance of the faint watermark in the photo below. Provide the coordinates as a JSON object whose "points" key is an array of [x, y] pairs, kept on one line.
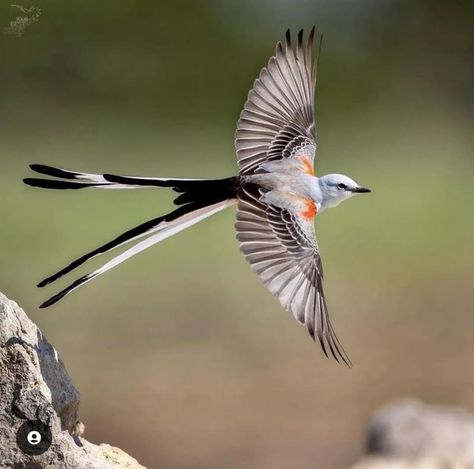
{"points": [[20, 24]]}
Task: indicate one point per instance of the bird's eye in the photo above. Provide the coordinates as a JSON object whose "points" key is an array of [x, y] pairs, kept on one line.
{"points": [[342, 186]]}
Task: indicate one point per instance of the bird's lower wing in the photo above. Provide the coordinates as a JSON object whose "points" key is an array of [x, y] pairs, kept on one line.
{"points": [[283, 252]]}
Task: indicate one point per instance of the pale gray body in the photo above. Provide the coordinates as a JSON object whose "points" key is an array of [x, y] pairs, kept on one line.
{"points": [[284, 181]]}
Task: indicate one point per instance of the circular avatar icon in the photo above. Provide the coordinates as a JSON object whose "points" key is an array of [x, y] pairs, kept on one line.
{"points": [[34, 437]]}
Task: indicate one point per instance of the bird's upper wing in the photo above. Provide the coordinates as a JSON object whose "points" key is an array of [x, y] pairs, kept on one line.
{"points": [[280, 245], [278, 118]]}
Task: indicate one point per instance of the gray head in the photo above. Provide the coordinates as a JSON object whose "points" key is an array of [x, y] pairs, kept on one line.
{"points": [[336, 187]]}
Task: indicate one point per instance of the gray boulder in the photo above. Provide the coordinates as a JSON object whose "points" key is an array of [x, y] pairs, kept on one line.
{"points": [[35, 388], [412, 434]]}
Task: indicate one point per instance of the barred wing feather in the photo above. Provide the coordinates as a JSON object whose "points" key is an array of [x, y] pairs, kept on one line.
{"points": [[278, 118], [281, 248]]}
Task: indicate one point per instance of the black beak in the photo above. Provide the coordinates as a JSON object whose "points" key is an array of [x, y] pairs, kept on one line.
{"points": [[360, 190]]}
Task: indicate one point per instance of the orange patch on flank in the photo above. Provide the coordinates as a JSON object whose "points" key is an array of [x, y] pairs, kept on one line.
{"points": [[311, 210], [308, 166]]}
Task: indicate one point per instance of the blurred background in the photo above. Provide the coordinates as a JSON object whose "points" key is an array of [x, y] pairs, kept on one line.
{"points": [[182, 357]]}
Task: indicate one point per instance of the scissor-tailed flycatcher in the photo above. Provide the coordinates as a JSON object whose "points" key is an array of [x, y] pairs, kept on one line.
{"points": [[276, 192]]}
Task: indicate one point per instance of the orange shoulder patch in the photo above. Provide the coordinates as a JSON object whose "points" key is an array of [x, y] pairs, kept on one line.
{"points": [[308, 166], [311, 210]]}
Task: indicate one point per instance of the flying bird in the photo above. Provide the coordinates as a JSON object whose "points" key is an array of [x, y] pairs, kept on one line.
{"points": [[276, 193]]}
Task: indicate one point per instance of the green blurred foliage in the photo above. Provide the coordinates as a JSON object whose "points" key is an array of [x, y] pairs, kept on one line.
{"points": [[218, 374]]}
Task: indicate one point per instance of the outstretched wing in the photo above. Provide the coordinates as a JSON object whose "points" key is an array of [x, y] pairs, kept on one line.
{"points": [[280, 245], [278, 118]]}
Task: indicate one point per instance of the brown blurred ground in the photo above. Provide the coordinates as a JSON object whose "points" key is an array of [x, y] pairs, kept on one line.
{"points": [[182, 357]]}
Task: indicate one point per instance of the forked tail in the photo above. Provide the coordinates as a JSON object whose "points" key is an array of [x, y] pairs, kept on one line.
{"points": [[198, 199]]}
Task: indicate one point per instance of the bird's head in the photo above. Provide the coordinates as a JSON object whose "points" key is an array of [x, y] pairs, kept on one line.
{"points": [[336, 187]]}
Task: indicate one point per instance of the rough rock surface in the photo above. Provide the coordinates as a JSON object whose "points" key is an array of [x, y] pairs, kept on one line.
{"points": [[35, 386], [411, 434]]}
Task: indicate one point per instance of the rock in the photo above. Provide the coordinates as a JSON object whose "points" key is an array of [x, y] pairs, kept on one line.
{"points": [[411, 434], [35, 389], [402, 463]]}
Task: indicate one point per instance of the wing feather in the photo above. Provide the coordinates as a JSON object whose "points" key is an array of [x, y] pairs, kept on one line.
{"points": [[282, 250], [278, 118]]}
